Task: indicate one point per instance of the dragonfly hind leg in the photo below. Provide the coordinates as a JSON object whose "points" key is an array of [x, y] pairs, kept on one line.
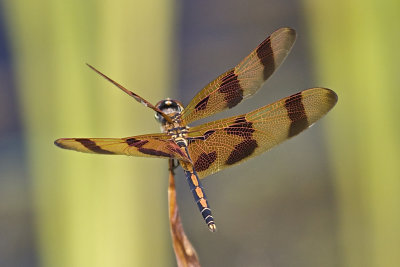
{"points": [[172, 165]]}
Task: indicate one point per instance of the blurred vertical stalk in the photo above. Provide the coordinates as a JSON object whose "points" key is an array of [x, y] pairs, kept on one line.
{"points": [[185, 253], [89, 208], [355, 44]]}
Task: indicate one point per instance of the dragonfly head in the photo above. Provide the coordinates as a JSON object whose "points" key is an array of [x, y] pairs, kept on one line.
{"points": [[169, 107]]}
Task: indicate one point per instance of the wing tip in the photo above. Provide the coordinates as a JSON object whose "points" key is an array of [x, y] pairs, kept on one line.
{"points": [[279, 43], [289, 33], [329, 93], [60, 143], [90, 66], [288, 30], [326, 98], [331, 96]]}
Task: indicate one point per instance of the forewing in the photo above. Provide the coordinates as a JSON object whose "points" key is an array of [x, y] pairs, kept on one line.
{"points": [[151, 145], [216, 145], [132, 94], [230, 88]]}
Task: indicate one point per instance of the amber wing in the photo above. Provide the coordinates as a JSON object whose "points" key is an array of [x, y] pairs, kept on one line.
{"points": [[230, 88], [217, 145], [151, 145]]}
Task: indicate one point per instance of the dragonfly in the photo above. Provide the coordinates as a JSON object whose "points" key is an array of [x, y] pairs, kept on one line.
{"points": [[208, 148]]}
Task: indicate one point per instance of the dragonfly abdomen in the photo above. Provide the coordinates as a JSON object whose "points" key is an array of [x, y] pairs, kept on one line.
{"points": [[200, 198]]}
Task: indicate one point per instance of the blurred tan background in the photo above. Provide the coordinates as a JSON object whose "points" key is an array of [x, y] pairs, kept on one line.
{"points": [[329, 197]]}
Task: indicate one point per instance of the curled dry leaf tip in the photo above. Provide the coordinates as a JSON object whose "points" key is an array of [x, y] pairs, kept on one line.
{"points": [[184, 251]]}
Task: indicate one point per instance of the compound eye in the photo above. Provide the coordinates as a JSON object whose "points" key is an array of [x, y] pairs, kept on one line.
{"points": [[159, 118]]}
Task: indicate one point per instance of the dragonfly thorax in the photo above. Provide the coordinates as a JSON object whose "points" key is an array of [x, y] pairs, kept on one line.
{"points": [[168, 107]]}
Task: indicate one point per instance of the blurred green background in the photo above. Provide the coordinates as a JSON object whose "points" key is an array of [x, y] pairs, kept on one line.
{"points": [[329, 197]]}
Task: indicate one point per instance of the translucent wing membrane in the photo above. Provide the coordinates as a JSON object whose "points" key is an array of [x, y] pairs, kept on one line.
{"points": [[132, 94], [220, 144], [152, 145], [230, 88]]}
